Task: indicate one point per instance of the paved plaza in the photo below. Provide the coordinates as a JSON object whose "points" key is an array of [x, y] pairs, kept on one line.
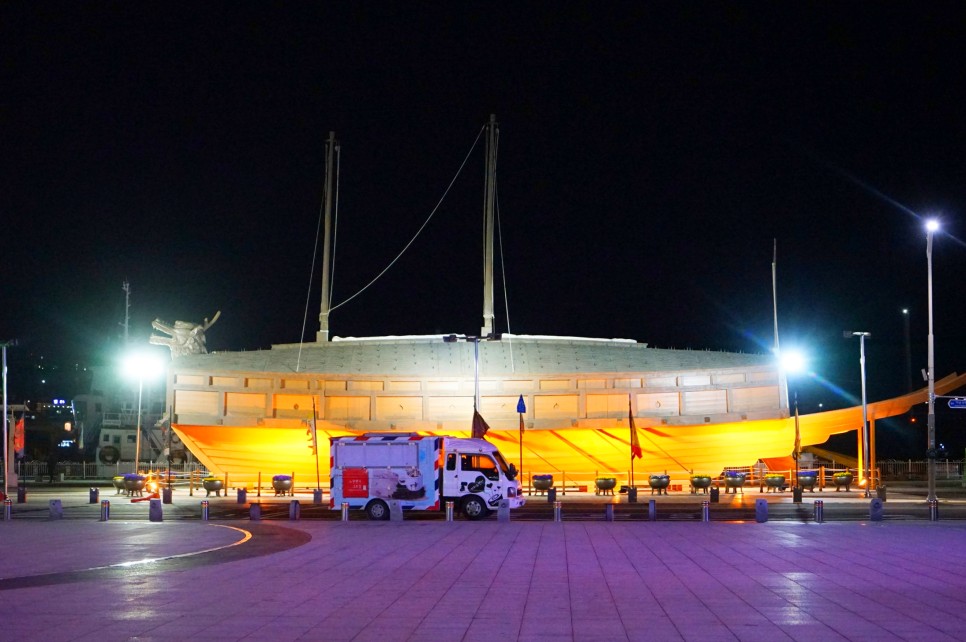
{"points": [[438, 580]]}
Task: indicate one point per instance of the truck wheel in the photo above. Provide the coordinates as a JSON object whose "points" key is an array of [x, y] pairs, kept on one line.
{"points": [[377, 510], [474, 508]]}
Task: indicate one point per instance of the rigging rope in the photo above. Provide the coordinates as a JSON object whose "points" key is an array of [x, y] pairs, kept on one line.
{"points": [[421, 227]]}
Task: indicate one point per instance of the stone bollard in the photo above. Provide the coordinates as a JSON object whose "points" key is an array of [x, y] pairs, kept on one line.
{"points": [[608, 512], [7, 510], [557, 516], [819, 511], [294, 510], [94, 495], [715, 494], [56, 509], [552, 495], [255, 512], [875, 510], [317, 496], [155, 512], [166, 495], [242, 495], [761, 510], [632, 495], [204, 510], [503, 511], [105, 510], [395, 511], [652, 510], [705, 511], [933, 510], [449, 511], [345, 511]]}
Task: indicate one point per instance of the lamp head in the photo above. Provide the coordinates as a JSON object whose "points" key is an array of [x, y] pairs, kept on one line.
{"points": [[143, 365], [792, 361], [932, 225]]}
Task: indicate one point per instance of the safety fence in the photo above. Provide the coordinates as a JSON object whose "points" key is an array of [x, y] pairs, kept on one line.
{"points": [[918, 470], [42, 471]]}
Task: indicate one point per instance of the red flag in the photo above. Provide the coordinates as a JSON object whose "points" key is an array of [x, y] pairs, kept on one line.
{"points": [[635, 445], [479, 426], [18, 437]]}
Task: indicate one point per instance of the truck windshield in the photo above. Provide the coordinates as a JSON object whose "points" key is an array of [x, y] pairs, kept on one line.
{"points": [[501, 462]]}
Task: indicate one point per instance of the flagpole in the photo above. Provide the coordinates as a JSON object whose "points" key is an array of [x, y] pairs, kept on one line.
{"points": [[521, 446], [632, 470], [315, 440]]}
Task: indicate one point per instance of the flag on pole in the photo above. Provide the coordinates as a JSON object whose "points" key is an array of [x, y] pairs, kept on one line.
{"points": [[479, 426], [635, 445], [18, 437]]}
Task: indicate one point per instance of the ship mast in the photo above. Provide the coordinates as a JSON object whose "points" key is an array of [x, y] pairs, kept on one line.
{"points": [[489, 209], [331, 150]]}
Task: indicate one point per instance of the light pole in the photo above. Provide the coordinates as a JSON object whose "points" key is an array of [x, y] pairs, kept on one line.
{"points": [[141, 365], [6, 458], [792, 363], [864, 474], [931, 226], [475, 340], [908, 350]]}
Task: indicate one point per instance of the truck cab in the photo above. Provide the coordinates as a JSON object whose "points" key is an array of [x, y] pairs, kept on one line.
{"points": [[476, 477]]}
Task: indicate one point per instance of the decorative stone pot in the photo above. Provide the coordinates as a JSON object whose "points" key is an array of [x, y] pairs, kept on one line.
{"points": [[605, 485], [807, 479], [774, 482], [733, 482], [659, 483], [134, 484], [282, 484], [118, 484], [542, 483], [700, 482], [212, 485], [842, 480]]}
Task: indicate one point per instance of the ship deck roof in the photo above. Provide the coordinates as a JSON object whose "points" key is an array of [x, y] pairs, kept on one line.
{"points": [[513, 355]]}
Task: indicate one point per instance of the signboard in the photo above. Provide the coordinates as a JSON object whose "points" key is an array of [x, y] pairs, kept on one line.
{"points": [[958, 402]]}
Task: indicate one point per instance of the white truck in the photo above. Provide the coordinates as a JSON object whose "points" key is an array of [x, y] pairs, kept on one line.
{"points": [[420, 472]]}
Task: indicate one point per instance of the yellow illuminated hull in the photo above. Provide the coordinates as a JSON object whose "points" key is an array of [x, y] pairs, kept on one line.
{"points": [[246, 454]]}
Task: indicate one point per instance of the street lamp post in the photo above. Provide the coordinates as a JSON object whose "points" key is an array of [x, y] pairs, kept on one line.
{"points": [[140, 366], [864, 474], [792, 363], [475, 340], [6, 445], [931, 227]]}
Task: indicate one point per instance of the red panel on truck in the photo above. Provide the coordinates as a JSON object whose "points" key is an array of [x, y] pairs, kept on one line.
{"points": [[355, 482]]}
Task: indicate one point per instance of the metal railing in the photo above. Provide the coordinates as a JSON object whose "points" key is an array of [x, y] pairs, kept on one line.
{"points": [[916, 470], [40, 471]]}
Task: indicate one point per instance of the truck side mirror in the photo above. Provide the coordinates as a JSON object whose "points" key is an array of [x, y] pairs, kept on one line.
{"points": [[511, 473]]}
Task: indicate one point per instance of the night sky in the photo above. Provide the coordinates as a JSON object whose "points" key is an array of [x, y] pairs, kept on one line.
{"points": [[650, 154]]}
